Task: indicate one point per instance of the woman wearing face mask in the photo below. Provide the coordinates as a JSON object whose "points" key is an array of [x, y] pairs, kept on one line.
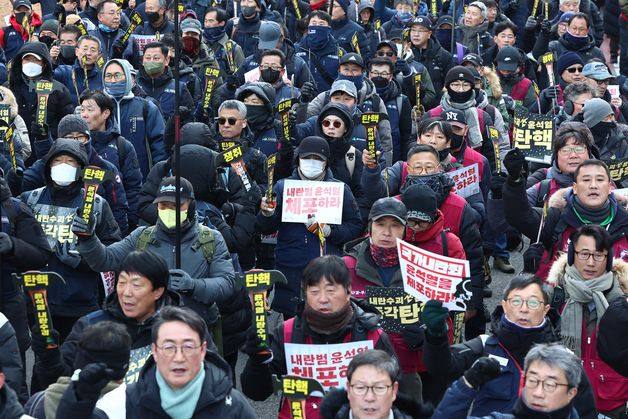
{"points": [[298, 243], [259, 99], [609, 136], [61, 197]]}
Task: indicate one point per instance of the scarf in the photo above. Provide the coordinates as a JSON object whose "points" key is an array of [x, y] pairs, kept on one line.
{"points": [[180, 403], [327, 323], [471, 115], [522, 411], [602, 216], [581, 292], [518, 340], [471, 35], [383, 256]]}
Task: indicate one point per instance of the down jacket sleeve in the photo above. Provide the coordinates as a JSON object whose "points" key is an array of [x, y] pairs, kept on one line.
{"points": [[10, 354]]}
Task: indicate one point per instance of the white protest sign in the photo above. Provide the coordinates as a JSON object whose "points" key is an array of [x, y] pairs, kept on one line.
{"points": [[613, 89], [108, 281], [429, 276], [467, 180], [143, 40], [327, 364], [304, 197]]}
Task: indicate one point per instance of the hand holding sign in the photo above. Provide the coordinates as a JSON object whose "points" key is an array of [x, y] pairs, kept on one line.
{"points": [[296, 390]]}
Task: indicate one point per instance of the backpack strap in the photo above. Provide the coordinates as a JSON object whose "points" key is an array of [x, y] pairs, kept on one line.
{"points": [[542, 192], [520, 90], [206, 242], [146, 237], [146, 143], [33, 197], [350, 160], [121, 150], [321, 70], [293, 331]]}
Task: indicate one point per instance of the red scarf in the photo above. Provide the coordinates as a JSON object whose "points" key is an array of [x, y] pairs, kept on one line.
{"points": [[386, 257]]}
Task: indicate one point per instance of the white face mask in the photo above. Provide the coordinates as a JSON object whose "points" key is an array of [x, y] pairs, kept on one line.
{"points": [[311, 168], [31, 69], [63, 174]]}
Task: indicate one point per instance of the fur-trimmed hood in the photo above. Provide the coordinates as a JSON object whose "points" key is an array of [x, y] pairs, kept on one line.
{"points": [[8, 98], [558, 199], [492, 81], [557, 272]]}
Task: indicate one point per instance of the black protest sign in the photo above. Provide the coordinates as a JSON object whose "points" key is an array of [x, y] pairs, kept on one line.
{"points": [[397, 307], [43, 89], [534, 135], [56, 223], [136, 20], [283, 109], [211, 75], [619, 172]]}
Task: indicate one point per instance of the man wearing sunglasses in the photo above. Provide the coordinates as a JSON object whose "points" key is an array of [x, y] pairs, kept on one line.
{"points": [[584, 282], [599, 78], [522, 320], [569, 69]]}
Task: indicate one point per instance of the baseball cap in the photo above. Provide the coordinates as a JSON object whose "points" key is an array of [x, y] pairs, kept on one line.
{"points": [[32, 54], [476, 74], [167, 191], [564, 18], [314, 146], [454, 115], [269, 34], [421, 21], [596, 71], [352, 58], [388, 207], [444, 20], [191, 25], [18, 3], [474, 59], [344, 86], [420, 202], [507, 59]]}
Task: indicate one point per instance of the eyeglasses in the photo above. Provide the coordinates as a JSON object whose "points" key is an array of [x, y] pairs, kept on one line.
{"points": [[574, 69], [171, 350], [568, 150], [385, 53], [82, 138], [361, 389], [336, 123], [460, 85], [598, 257], [274, 67], [378, 74], [603, 82], [118, 13], [231, 120], [548, 385], [417, 223], [114, 76], [532, 303], [428, 168]]}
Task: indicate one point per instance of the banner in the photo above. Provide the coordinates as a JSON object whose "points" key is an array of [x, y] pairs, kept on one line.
{"points": [[137, 359], [307, 197], [56, 223], [143, 40], [467, 180], [327, 364], [108, 281], [619, 172], [534, 135], [397, 307], [428, 276]]}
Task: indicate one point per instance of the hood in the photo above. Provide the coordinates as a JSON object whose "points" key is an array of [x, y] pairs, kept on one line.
{"points": [[66, 146], [198, 133], [198, 165], [336, 405], [126, 67], [104, 137], [340, 110], [491, 81], [620, 272], [263, 90], [9, 99], [364, 4], [38, 48]]}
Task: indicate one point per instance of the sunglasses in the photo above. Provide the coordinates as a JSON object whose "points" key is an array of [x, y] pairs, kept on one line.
{"points": [[230, 120], [574, 69], [385, 53], [336, 123]]}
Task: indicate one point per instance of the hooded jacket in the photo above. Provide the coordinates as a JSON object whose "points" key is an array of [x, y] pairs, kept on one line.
{"points": [[476, 38], [344, 29], [587, 52], [324, 67], [399, 111], [73, 77], [140, 122], [614, 146], [265, 132], [59, 101], [14, 36], [438, 62], [162, 90], [107, 40], [10, 407]]}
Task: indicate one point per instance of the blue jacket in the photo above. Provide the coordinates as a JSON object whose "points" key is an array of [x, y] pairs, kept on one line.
{"points": [[245, 32], [106, 144], [343, 30], [296, 246], [106, 41], [328, 58], [165, 28], [73, 77], [162, 90]]}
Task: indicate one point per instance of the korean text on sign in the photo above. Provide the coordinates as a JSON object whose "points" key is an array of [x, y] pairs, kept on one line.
{"points": [[325, 363], [428, 276], [534, 135], [467, 180], [397, 308], [322, 199]]}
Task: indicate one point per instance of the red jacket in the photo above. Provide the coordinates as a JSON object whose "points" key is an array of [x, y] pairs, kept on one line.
{"points": [[432, 239]]}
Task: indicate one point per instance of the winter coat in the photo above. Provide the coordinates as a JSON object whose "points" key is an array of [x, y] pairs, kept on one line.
{"points": [[218, 397], [344, 30], [166, 27], [10, 407], [324, 67], [162, 89], [518, 13], [244, 32], [400, 118], [615, 145], [611, 18], [107, 39], [14, 36], [10, 358], [218, 48], [73, 77], [59, 101], [557, 181], [335, 405], [476, 38], [587, 52], [609, 387], [438, 62]]}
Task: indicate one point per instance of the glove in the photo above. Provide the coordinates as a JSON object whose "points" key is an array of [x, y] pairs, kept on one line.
{"points": [[403, 67], [267, 208], [532, 257], [531, 23], [118, 48], [39, 345], [286, 149], [510, 103], [92, 379], [514, 162], [497, 184], [435, 318], [180, 281], [292, 121], [256, 349], [308, 92], [482, 371], [513, 240], [232, 82], [6, 244], [38, 132], [230, 211], [546, 26], [547, 96], [186, 115], [81, 228], [312, 226], [413, 335], [66, 256]]}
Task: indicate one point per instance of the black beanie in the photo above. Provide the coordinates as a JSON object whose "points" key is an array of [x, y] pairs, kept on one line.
{"points": [[459, 73]]}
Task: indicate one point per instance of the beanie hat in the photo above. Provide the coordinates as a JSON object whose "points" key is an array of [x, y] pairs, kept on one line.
{"points": [[344, 4], [72, 123], [482, 7], [595, 110], [459, 73], [420, 202], [50, 25], [567, 59]]}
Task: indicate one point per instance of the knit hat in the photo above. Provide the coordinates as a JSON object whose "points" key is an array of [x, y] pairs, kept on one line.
{"points": [[567, 59], [595, 110], [72, 123], [50, 25], [612, 345], [459, 73], [344, 4], [482, 7], [388, 207], [420, 201], [316, 146]]}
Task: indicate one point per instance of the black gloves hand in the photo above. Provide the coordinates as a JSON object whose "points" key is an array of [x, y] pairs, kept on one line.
{"points": [[232, 82], [548, 94], [532, 257], [6, 244], [497, 184], [286, 149], [256, 349], [509, 102], [413, 335], [403, 67], [482, 371], [39, 345], [546, 26], [292, 121], [38, 132], [514, 162], [308, 91], [435, 318], [118, 48], [180, 281], [81, 228], [92, 379], [531, 23], [67, 256]]}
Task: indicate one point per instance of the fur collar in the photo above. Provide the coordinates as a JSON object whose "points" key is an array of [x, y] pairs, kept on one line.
{"points": [[493, 82], [558, 200], [556, 273], [9, 99]]}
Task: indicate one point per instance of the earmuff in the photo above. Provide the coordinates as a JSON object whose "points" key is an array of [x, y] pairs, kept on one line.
{"points": [[571, 256], [568, 107]]}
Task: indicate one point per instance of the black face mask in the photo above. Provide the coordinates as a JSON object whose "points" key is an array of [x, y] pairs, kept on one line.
{"points": [[19, 17], [48, 40], [380, 82], [601, 130], [248, 11], [442, 154], [456, 141], [459, 97], [256, 114], [270, 76], [153, 17], [68, 54]]}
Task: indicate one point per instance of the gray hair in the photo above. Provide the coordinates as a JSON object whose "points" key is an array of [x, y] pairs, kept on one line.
{"points": [[88, 38], [378, 359], [573, 90], [235, 105], [557, 356]]}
